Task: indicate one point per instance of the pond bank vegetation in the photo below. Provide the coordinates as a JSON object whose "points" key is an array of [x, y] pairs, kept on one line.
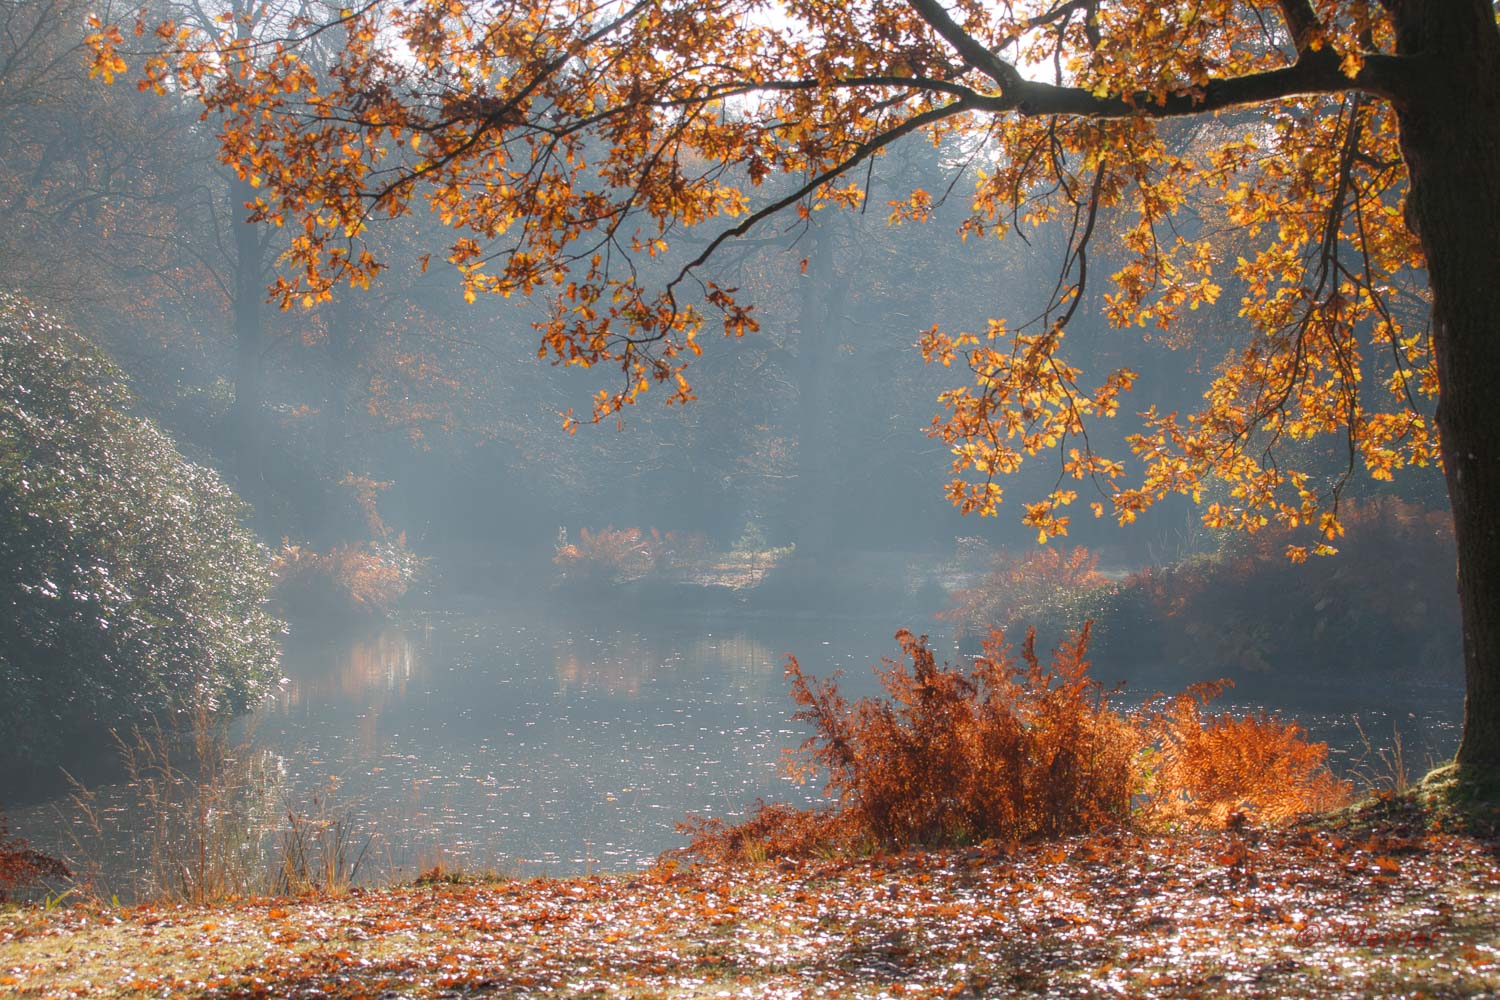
{"points": [[1001, 830], [1389, 900], [346, 584], [129, 580], [1015, 750]]}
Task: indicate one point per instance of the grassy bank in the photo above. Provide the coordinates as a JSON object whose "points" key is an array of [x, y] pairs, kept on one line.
{"points": [[1365, 907]]}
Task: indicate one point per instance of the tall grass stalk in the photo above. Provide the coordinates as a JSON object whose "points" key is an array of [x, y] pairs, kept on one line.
{"points": [[319, 849], [204, 800], [1386, 769], [197, 803], [211, 819]]}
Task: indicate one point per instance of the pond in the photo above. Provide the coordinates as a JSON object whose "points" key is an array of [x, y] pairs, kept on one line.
{"points": [[531, 742], [543, 744]]}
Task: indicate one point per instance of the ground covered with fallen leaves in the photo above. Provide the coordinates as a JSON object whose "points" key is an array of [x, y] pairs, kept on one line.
{"points": [[1386, 910]]}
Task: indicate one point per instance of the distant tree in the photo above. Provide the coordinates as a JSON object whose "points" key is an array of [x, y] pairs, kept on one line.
{"points": [[128, 585], [242, 261], [93, 191], [1375, 152]]}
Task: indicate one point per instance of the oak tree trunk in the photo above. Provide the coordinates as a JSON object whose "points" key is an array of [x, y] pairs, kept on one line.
{"points": [[1450, 136], [341, 327], [249, 290], [823, 297]]}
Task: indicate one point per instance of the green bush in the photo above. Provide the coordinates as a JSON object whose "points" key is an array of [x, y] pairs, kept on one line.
{"points": [[128, 584]]}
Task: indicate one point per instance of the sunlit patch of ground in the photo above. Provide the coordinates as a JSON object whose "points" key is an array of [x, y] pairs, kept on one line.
{"points": [[1313, 913]]}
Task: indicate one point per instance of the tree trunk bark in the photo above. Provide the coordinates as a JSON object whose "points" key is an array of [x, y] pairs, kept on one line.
{"points": [[1450, 137], [820, 331], [249, 290], [341, 367]]}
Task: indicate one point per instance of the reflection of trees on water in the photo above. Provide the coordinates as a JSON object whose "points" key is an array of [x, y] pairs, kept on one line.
{"points": [[375, 669], [619, 663], [739, 652], [623, 677], [624, 663]]}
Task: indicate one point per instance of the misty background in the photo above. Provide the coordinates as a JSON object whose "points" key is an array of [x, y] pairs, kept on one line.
{"points": [[487, 646]]}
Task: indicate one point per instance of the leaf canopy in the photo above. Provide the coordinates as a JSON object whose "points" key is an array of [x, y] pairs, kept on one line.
{"points": [[1206, 152]]}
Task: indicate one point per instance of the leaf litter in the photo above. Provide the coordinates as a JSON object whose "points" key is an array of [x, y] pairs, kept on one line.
{"points": [[1385, 911]]}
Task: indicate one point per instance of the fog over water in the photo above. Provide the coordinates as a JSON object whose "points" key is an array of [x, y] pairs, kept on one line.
{"points": [[528, 742]]}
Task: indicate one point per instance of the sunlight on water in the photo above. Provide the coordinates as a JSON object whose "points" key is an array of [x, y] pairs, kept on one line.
{"points": [[513, 745], [540, 745]]}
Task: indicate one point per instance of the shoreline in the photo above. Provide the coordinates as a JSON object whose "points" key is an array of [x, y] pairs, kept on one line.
{"points": [[1385, 907]]}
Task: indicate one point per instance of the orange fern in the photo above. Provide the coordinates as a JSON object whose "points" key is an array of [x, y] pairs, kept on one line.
{"points": [[1015, 750], [1002, 750], [1209, 767]]}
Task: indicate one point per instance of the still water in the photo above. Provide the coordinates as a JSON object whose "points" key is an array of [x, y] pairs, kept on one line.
{"points": [[546, 745], [530, 743]]}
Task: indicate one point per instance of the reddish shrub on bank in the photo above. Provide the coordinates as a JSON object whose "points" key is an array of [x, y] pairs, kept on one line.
{"points": [[1037, 583], [773, 830], [1014, 750], [621, 554], [1202, 768], [1384, 605], [22, 868], [360, 580], [1008, 750]]}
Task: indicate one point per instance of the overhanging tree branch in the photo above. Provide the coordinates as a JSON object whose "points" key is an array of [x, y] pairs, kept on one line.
{"points": [[1301, 22], [966, 45], [1316, 71]]}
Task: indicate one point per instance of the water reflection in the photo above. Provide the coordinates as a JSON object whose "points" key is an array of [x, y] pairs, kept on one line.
{"points": [[619, 664], [373, 668], [484, 740], [536, 743]]}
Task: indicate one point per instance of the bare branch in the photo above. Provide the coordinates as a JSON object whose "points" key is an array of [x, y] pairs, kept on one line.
{"points": [[866, 149], [968, 46]]}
